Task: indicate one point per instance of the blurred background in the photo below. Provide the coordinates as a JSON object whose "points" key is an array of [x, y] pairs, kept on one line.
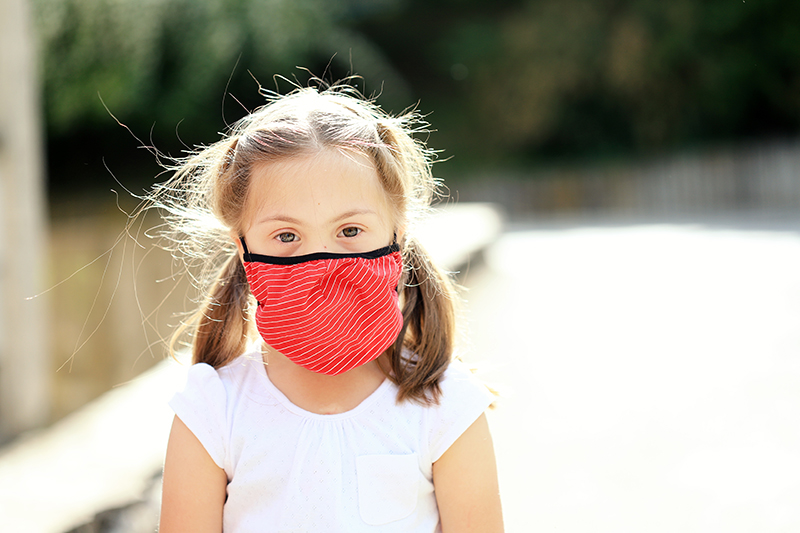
{"points": [[564, 114]]}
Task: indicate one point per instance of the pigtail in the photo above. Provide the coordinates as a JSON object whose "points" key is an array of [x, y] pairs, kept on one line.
{"points": [[222, 323], [424, 348], [428, 328]]}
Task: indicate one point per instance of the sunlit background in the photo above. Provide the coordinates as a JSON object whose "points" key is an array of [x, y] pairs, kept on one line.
{"points": [[638, 307]]}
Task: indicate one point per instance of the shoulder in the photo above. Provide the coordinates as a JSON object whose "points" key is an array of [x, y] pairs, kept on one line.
{"points": [[459, 383], [205, 381], [463, 399], [204, 404]]}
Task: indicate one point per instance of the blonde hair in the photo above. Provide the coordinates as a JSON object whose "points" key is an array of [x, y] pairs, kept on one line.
{"points": [[205, 199]]}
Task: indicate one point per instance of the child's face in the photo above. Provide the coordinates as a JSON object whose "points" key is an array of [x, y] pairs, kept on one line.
{"points": [[325, 202]]}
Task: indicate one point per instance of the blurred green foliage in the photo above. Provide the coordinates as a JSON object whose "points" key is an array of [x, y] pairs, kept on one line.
{"points": [[161, 67], [169, 60], [539, 77], [508, 81]]}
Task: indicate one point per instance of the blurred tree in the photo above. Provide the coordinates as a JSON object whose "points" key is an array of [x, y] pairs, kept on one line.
{"points": [[563, 77], [162, 66], [508, 80]]}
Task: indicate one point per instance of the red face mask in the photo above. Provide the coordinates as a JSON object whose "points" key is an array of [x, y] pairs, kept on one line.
{"points": [[327, 312]]}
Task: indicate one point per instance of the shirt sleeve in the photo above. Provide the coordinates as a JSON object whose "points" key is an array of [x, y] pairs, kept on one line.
{"points": [[202, 407], [464, 398]]}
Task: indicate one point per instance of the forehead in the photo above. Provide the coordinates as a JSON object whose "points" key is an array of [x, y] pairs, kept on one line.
{"points": [[320, 184]]}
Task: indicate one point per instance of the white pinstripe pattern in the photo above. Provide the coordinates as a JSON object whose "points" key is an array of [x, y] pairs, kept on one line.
{"points": [[328, 315]]}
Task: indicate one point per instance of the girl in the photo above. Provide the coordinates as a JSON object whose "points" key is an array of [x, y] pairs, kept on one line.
{"points": [[322, 396]]}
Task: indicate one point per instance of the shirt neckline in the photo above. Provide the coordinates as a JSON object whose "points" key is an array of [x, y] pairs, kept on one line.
{"points": [[274, 391]]}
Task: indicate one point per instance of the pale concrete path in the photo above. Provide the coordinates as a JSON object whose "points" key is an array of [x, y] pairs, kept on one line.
{"points": [[98, 468], [652, 372]]}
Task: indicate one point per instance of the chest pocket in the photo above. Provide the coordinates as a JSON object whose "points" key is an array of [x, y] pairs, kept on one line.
{"points": [[388, 487]]}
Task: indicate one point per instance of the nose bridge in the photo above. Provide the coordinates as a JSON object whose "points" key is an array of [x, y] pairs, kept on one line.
{"points": [[318, 240]]}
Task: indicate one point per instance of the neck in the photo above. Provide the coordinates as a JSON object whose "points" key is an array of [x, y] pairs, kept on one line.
{"points": [[321, 393]]}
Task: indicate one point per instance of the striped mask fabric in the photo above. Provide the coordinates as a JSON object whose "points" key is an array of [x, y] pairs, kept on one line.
{"points": [[327, 312]]}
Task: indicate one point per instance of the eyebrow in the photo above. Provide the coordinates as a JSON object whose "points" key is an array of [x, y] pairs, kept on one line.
{"points": [[291, 220], [352, 213], [278, 218]]}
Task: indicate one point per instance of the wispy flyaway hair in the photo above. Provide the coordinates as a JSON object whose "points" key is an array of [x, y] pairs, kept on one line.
{"points": [[204, 202]]}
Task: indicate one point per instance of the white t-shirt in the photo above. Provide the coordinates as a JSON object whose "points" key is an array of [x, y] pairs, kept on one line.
{"points": [[290, 470]]}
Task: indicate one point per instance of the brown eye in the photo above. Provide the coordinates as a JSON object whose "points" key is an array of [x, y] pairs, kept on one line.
{"points": [[287, 237], [350, 232]]}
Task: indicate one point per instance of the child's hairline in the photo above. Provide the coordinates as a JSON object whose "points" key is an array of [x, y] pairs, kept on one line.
{"points": [[407, 206], [398, 216]]}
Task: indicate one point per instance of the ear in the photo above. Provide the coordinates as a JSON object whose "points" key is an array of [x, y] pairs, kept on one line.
{"points": [[236, 238], [400, 234]]}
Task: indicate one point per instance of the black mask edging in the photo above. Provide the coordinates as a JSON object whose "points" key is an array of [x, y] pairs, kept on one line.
{"points": [[297, 259]]}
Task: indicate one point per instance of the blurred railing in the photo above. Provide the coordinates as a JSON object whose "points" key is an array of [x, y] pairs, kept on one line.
{"points": [[764, 175], [117, 306], [116, 310]]}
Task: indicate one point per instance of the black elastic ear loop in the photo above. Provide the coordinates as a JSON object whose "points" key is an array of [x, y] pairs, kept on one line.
{"points": [[246, 251], [246, 257], [399, 342]]}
